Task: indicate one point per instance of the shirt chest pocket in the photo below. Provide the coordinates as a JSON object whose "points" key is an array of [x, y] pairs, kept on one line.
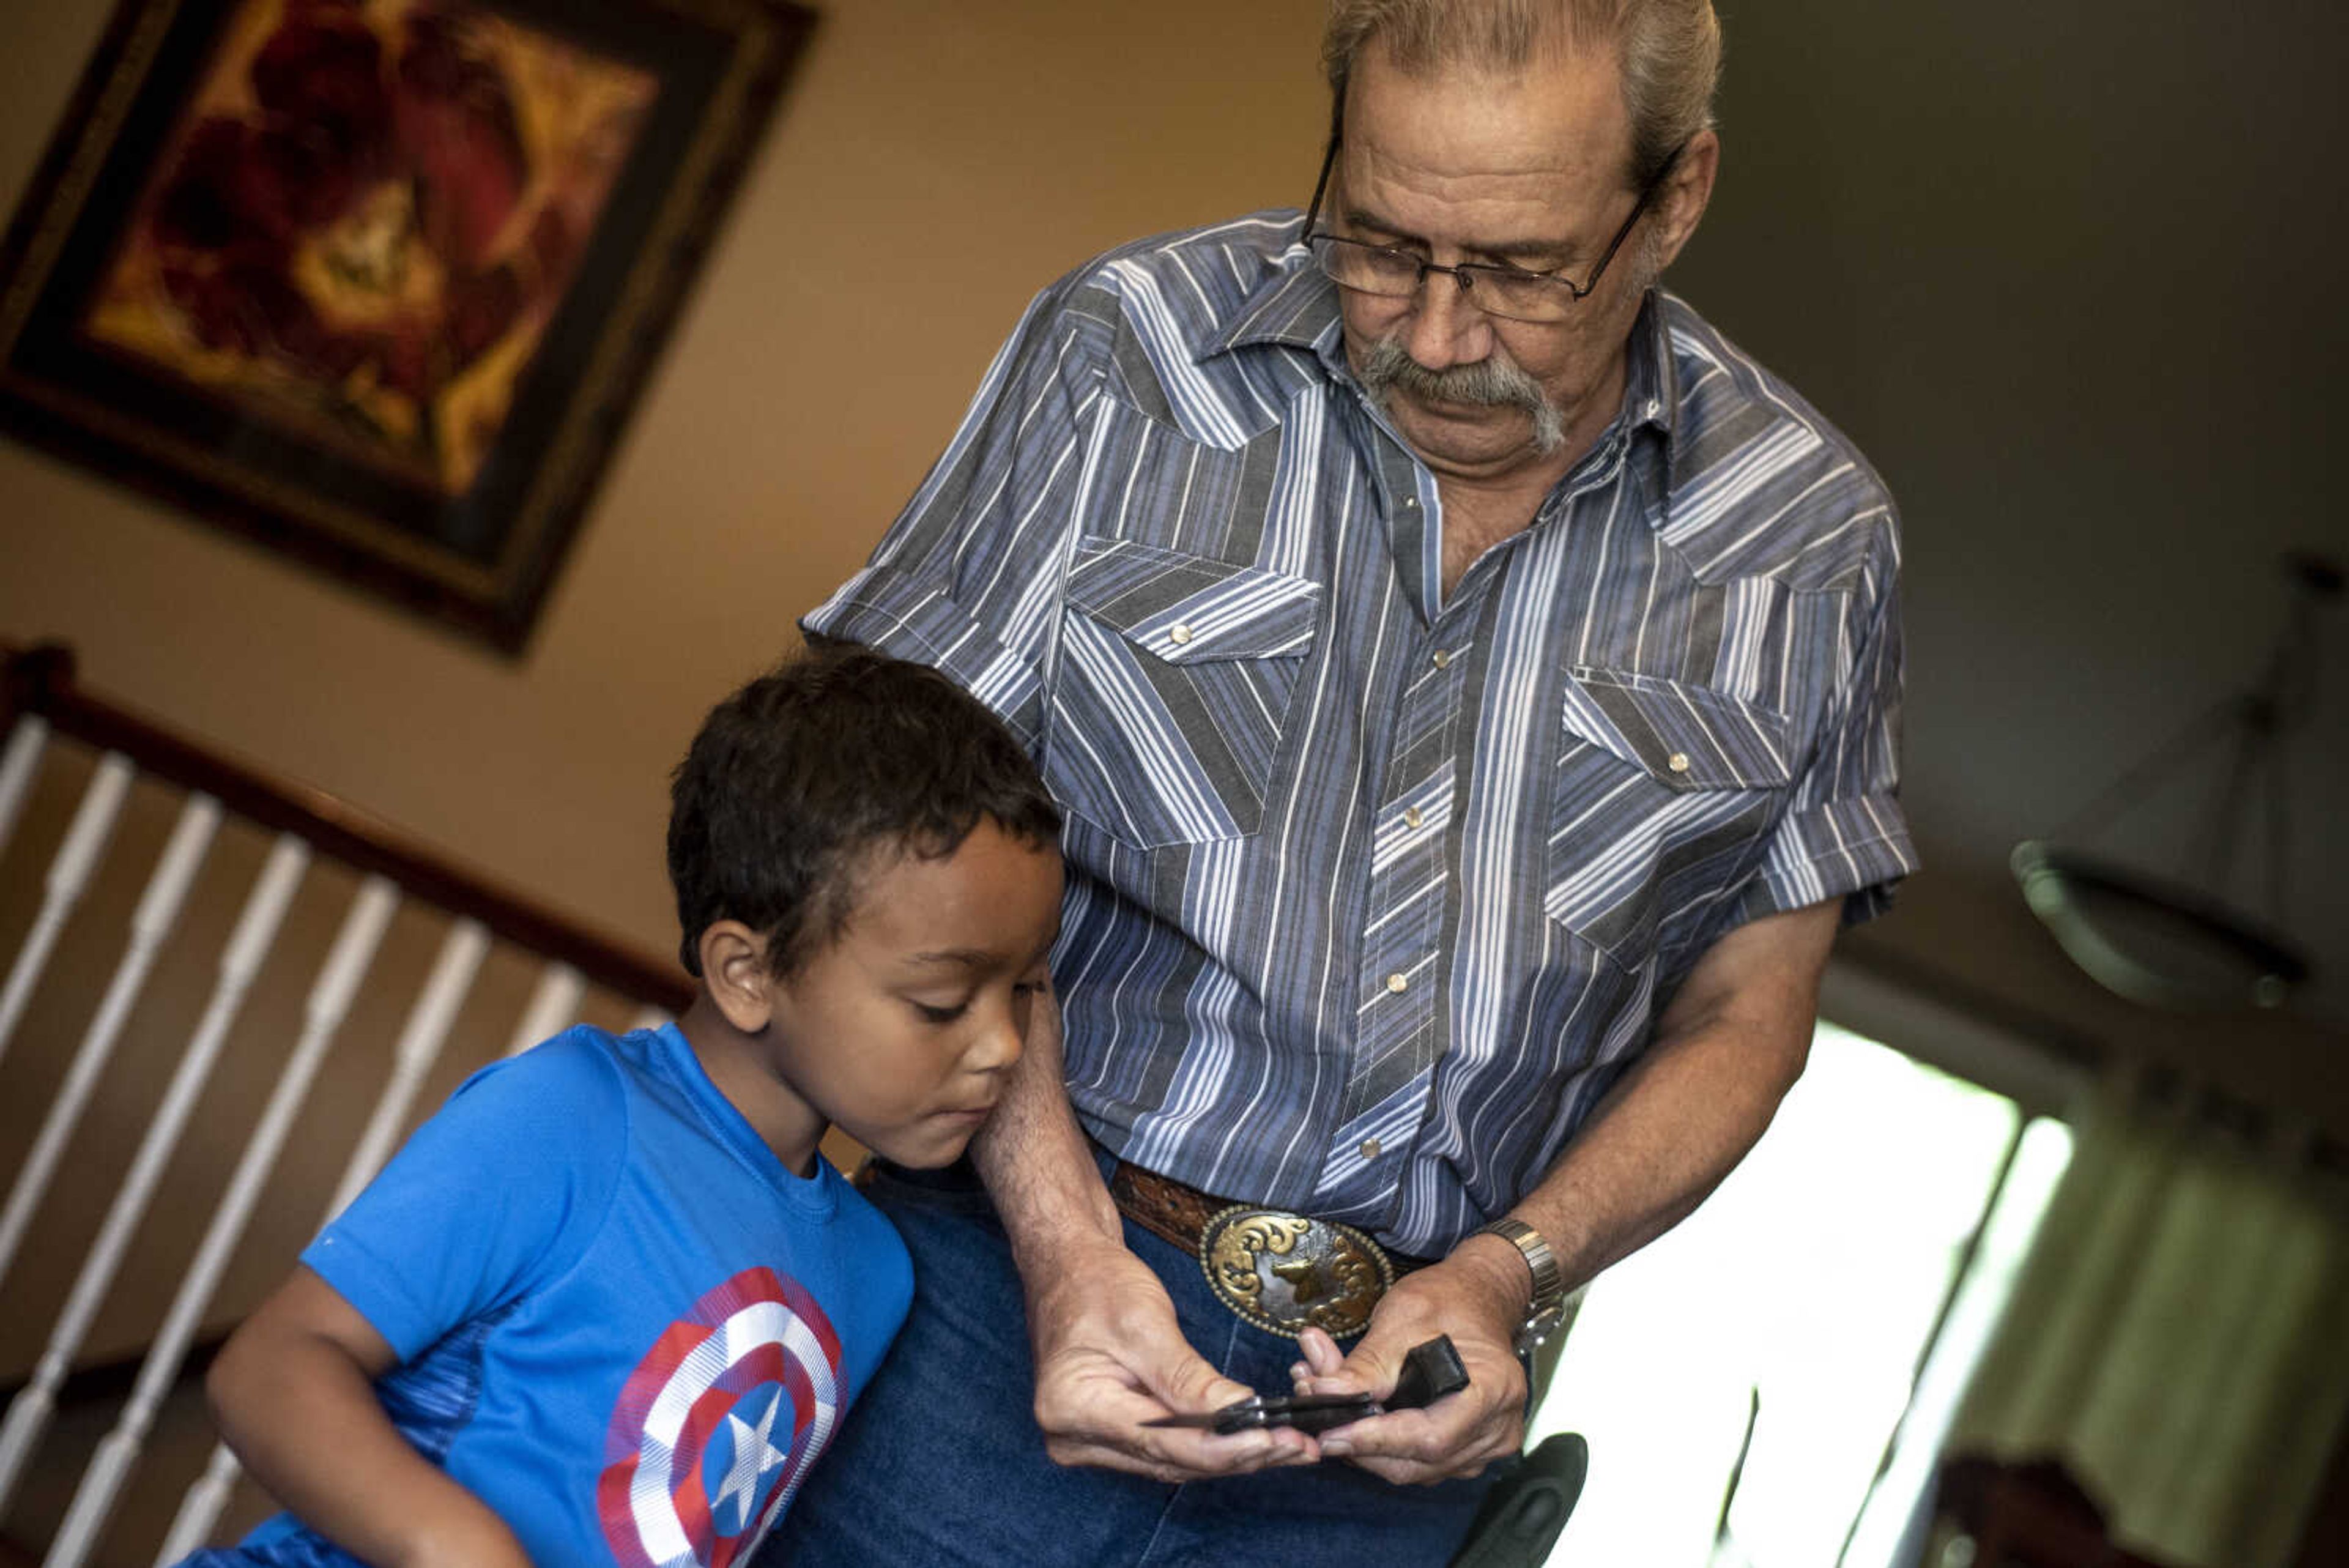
{"points": [[1665, 796], [1172, 689]]}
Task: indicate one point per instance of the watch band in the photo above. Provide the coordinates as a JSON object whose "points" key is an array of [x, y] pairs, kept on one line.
{"points": [[1547, 1309]]}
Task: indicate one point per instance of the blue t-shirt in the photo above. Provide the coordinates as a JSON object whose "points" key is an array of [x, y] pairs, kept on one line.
{"points": [[621, 1323]]}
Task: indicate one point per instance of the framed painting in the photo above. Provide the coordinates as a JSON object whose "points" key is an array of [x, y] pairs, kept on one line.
{"points": [[375, 282]]}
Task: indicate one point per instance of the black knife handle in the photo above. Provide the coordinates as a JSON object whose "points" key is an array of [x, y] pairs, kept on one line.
{"points": [[1315, 1417], [1429, 1372]]}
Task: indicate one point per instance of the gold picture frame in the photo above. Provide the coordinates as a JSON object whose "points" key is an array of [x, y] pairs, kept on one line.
{"points": [[375, 283]]}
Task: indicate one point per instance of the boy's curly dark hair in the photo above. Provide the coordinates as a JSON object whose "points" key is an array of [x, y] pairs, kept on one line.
{"points": [[796, 779]]}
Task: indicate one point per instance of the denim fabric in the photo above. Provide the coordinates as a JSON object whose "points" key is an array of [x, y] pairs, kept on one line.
{"points": [[940, 1462]]}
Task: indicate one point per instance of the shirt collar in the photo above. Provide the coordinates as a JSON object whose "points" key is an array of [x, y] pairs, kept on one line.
{"points": [[1651, 401], [1651, 389], [1297, 307]]}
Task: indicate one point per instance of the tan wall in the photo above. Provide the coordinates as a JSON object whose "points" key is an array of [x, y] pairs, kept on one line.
{"points": [[927, 174]]}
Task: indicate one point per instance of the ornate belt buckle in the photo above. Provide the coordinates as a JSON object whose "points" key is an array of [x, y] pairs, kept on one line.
{"points": [[1282, 1272]]}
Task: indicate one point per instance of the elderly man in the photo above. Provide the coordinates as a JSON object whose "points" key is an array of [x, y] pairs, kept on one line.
{"points": [[1472, 684]]}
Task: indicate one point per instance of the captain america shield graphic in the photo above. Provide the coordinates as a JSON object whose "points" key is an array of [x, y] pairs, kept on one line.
{"points": [[717, 1425]]}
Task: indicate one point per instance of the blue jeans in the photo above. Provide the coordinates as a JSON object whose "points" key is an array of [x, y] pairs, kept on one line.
{"points": [[940, 1460]]}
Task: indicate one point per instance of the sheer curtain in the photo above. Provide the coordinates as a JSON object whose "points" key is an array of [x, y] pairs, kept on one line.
{"points": [[2179, 1338]]}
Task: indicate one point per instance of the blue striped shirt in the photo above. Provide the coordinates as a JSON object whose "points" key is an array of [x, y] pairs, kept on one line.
{"points": [[1374, 890]]}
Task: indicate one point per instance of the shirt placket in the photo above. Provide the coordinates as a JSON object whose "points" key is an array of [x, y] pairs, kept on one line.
{"points": [[1400, 1014], [1411, 907]]}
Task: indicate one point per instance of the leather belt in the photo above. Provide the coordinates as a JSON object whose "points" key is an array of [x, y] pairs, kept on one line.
{"points": [[1278, 1271]]}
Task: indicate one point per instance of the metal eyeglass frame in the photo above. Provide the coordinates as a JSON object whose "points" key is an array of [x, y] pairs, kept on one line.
{"points": [[1465, 273]]}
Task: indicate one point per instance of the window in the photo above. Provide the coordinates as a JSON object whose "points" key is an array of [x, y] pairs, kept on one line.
{"points": [[1742, 1381]]}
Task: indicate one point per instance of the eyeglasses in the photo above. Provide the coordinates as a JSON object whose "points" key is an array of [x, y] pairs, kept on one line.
{"points": [[1505, 291]]}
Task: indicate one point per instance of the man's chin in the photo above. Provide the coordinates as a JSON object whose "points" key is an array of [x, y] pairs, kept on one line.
{"points": [[1480, 426]]}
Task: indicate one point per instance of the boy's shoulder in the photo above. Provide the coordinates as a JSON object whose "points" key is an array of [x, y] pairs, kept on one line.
{"points": [[580, 1074]]}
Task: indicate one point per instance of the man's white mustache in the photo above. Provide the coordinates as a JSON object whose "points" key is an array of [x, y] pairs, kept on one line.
{"points": [[1490, 382]]}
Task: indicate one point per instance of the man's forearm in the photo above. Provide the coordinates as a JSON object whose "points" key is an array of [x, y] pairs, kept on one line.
{"points": [[1734, 1040], [1035, 1160], [1673, 1128], [1725, 1053], [1111, 1357]]}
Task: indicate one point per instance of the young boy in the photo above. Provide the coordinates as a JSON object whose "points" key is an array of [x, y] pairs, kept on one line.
{"points": [[608, 1304]]}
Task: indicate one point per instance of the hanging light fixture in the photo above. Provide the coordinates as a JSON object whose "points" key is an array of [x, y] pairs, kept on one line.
{"points": [[2180, 943]]}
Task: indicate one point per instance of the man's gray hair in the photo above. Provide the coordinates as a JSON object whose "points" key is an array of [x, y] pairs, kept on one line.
{"points": [[1670, 52]]}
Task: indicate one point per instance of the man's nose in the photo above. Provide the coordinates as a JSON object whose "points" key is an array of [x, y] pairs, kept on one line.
{"points": [[1447, 327]]}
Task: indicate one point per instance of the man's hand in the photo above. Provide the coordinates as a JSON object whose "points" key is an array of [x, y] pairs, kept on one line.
{"points": [[1726, 1051], [1109, 1353], [1110, 1356], [1478, 1296]]}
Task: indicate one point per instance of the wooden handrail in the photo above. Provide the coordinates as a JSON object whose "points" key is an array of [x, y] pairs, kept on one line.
{"points": [[40, 680], [112, 1380]]}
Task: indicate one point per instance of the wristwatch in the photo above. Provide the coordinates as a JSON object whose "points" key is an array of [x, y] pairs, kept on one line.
{"points": [[1547, 1309]]}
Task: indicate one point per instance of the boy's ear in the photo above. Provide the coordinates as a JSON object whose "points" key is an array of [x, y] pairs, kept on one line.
{"points": [[734, 970]]}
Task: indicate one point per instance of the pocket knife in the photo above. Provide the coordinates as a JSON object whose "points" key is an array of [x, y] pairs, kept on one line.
{"points": [[1429, 1372]]}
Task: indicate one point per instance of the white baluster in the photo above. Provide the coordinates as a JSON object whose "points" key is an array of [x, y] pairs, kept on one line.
{"points": [[420, 1040], [18, 764], [200, 1509], [256, 929], [554, 1006], [328, 1004], [69, 874], [419, 1045], [158, 914]]}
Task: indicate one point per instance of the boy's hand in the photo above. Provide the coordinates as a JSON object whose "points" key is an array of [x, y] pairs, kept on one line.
{"points": [[1110, 1357]]}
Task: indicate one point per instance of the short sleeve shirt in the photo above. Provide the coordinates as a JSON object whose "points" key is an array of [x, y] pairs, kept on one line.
{"points": [[1375, 889], [621, 1323]]}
